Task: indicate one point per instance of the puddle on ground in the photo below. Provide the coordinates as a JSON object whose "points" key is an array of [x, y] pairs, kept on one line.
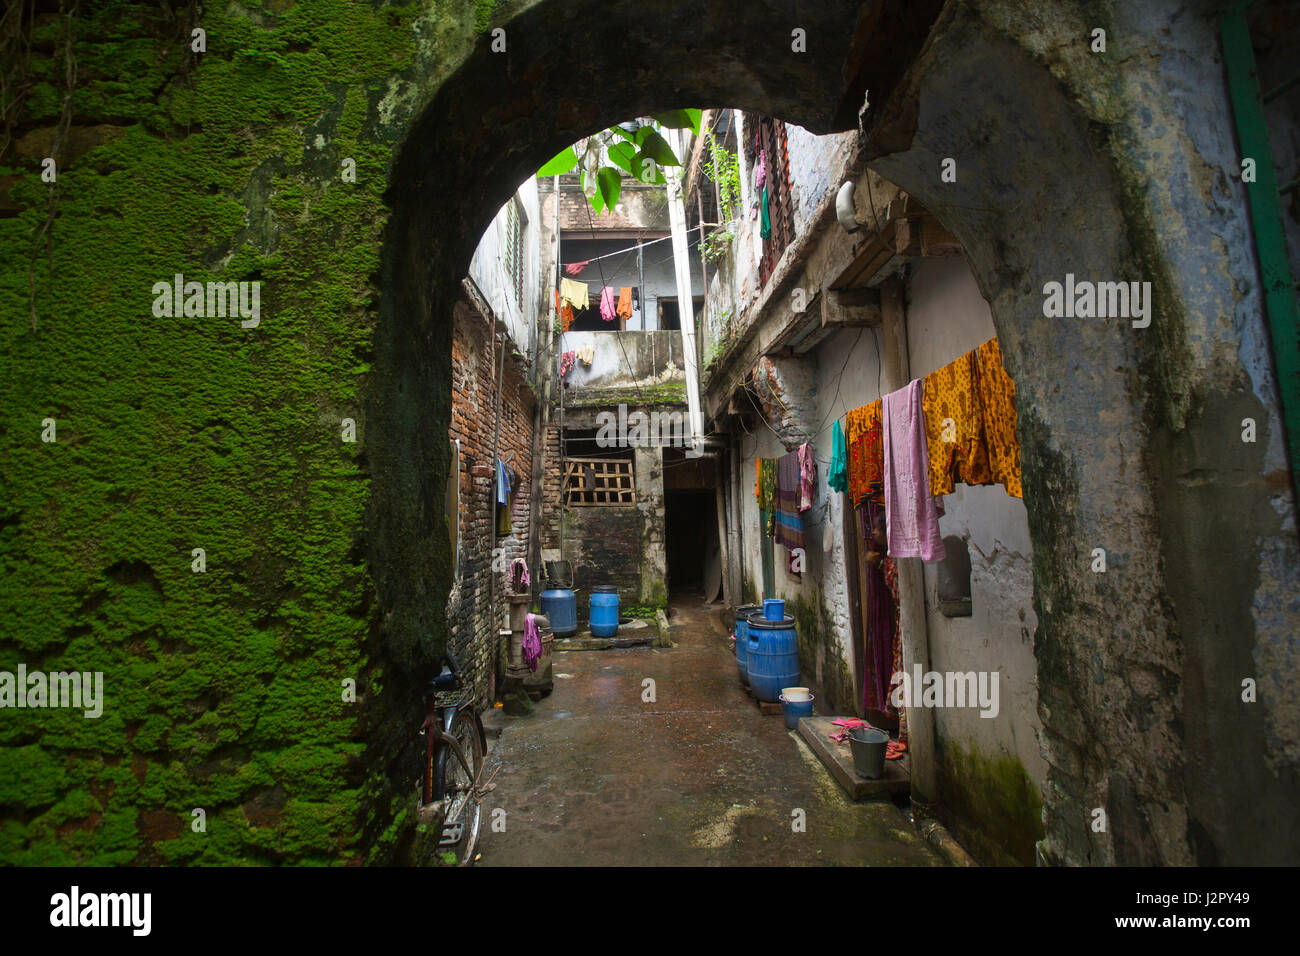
{"points": [[562, 713]]}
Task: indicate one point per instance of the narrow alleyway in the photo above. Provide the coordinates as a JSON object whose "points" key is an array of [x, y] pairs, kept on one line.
{"points": [[597, 777]]}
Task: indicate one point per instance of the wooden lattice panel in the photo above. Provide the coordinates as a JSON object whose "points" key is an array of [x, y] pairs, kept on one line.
{"points": [[598, 481]]}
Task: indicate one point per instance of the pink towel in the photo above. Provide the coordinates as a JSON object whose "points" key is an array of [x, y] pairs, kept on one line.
{"points": [[532, 643], [607, 309], [911, 514], [574, 268]]}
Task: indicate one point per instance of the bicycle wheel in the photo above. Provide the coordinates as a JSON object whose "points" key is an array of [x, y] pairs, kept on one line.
{"points": [[451, 782]]}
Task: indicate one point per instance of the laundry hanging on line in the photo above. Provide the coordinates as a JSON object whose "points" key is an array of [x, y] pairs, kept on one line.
{"points": [[607, 312], [575, 294], [913, 513]]}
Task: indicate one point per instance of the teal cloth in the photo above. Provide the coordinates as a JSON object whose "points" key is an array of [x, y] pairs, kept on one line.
{"points": [[766, 230], [838, 476]]}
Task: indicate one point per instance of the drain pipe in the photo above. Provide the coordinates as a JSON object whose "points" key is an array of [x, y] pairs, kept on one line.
{"points": [[911, 580]]}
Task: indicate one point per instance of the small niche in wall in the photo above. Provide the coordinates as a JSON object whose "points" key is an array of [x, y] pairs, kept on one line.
{"points": [[954, 578]]}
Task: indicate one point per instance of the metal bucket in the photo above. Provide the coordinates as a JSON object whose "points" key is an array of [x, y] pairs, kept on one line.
{"points": [[868, 745]]}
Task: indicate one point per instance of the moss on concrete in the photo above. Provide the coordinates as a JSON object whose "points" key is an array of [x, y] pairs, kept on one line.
{"points": [[990, 803], [224, 689]]}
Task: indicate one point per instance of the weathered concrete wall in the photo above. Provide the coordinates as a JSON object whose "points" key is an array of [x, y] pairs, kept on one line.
{"points": [[814, 160], [992, 772], [488, 269], [1118, 167], [625, 360]]}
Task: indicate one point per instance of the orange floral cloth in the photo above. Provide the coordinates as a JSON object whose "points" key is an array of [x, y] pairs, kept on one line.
{"points": [[997, 393], [954, 426], [866, 455], [970, 423], [860, 419]]}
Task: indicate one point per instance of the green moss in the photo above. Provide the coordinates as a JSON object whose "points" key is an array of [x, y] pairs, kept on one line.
{"points": [[991, 803], [183, 433]]}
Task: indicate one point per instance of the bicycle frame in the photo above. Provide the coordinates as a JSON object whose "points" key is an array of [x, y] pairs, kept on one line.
{"points": [[436, 729]]}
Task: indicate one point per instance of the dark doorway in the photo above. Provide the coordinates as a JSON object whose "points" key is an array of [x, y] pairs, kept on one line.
{"points": [[691, 529]]}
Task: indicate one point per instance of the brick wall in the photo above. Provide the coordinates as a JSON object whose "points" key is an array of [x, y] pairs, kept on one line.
{"points": [[474, 366]]}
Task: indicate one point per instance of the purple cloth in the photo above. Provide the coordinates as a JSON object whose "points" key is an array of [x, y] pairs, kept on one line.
{"points": [[760, 173], [608, 311], [913, 518], [532, 643], [879, 639]]}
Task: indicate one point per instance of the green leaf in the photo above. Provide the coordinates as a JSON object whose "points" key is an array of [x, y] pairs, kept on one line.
{"points": [[624, 133], [562, 163], [597, 200], [681, 119], [609, 183], [647, 171], [621, 154], [656, 147]]}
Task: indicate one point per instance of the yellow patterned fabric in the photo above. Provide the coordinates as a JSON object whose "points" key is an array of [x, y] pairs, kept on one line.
{"points": [[997, 395], [954, 426], [861, 419]]}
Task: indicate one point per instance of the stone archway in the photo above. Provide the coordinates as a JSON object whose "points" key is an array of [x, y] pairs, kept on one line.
{"points": [[1124, 434]]}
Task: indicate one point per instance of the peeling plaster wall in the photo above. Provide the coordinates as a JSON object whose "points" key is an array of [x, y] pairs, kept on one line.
{"points": [[946, 318], [813, 160]]}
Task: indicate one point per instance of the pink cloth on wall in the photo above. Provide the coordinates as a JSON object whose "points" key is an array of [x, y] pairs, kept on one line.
{"points": [[807, 476], [911, 514], [607, 310]]}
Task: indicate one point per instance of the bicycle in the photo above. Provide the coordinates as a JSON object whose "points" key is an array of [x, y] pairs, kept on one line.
{"points": [[455, 746]]}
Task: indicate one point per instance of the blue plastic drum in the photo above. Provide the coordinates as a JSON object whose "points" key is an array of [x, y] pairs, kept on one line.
{"points": [[604, 611], [772, 657]]}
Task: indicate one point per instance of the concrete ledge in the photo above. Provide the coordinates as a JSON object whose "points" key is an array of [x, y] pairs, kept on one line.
{"points": [[585, 642], [838, 759]]}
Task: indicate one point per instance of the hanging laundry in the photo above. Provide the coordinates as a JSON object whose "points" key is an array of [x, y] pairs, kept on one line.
{"points": [[503, 483], [575, 268], [760, 170], [997, 394], [881, 631], [807, 476], [789, 526], [531, 645], [860, 419], [766, 229], [624, 308], [954, 427], [837, 478], [767, 473], [607, 304], [566, 362], [866, 457], [565, 311], [586, 355], [913, 515], [519, 574], [575, 294]]}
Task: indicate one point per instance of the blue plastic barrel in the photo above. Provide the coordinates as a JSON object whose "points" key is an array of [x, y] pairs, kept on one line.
{"points": [[773, 609], [772, 657], [560, 605], [742, 637], [604, 611]]}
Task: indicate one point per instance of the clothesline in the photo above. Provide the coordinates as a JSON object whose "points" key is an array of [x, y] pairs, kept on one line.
{"points": [[639, 245]]}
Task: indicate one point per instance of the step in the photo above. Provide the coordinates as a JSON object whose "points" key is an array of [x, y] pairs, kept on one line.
{"points": [[838, 759]]}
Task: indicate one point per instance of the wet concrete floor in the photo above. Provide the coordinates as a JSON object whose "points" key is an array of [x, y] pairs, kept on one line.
{"points": [[597, 776]]}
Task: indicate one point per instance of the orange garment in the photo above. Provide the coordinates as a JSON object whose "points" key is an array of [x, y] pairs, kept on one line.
{"points": [[566, 312], [954, 426], [866, 455], [997, 395], [860, 419], [624, 309]]}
